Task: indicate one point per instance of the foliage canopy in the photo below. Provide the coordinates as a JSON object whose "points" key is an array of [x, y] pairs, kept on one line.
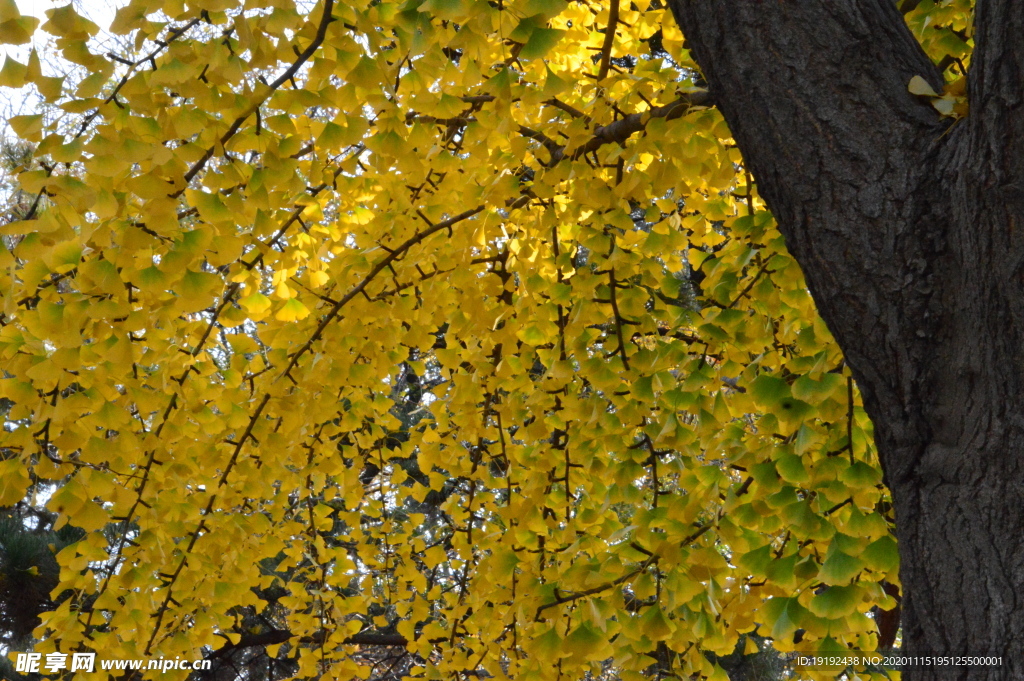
{"points": [[453, 321]]}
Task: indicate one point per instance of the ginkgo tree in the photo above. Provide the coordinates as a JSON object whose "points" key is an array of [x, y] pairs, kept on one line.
{"points": [[899, 190], [451, 325]]}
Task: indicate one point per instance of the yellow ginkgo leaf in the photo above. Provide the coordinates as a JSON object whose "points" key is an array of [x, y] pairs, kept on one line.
{"points": [[292, 310], [255, 302]]}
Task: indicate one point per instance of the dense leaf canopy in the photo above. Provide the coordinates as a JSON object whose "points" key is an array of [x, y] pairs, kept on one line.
{"points": [[451, 322]]}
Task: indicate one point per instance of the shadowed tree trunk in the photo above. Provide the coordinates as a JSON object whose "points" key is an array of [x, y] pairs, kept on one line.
{"points": [[910, 230]]}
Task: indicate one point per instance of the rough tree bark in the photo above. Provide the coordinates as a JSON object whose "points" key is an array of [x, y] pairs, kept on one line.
{"points": [[910, 230]]}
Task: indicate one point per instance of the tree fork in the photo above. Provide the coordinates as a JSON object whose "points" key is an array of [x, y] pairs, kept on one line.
{"points": [[908, 229]]}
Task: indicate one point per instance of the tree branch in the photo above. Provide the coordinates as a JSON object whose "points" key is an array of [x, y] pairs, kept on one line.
{"points": [[276, 636], [616, 132], [609, 40], [381, 265], [622, 129], [289, 73], [994, 85]]}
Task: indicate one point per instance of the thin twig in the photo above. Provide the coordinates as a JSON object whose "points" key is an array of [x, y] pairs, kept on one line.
{"points": [[609, 39]]}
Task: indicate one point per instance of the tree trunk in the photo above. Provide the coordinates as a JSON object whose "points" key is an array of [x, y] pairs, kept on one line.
{"points": [[910, 231]]}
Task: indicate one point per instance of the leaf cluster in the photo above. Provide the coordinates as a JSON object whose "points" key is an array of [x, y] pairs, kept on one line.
{"points": [[452, 326]]}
